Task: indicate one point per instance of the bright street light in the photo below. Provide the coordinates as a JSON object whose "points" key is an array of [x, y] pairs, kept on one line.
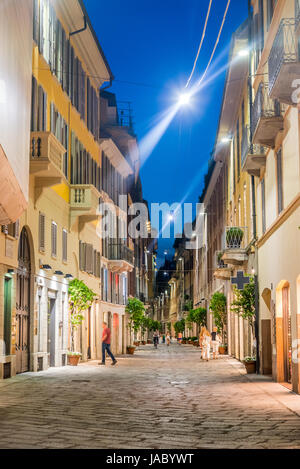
{"points": [[184, 99]]}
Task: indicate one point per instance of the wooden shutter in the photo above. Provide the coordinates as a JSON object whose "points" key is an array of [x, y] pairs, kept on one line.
{"points": [[54, 239], [34, 105], [89, 258], [279, 181], [42, 232], [64, 245]]}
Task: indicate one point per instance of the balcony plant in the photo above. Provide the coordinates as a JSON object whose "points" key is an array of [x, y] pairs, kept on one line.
{"points": [[218, 309], [135, 310], [234, 238], [80, 299]]}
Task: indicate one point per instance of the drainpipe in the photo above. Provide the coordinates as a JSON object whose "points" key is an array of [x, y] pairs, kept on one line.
{"points": [[253, 196]]}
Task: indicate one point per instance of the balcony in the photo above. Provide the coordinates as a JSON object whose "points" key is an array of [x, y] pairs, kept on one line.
{"points": [[267, 118], [222, 271], [84, 203], [284, 64], [121, 258], [253, 155], [236, 242], [46, 161]]}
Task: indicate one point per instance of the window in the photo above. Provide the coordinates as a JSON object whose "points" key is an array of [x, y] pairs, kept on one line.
{"points": [[60, 129], [64, 245], [11, 230], [38, 108], [263, 205], [279, 182], [53, 239], [42, 232]]}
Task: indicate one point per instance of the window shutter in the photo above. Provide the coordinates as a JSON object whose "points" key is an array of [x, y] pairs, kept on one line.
{"points": [[42, 232], [89, 258], [17, 229], [36, 23], [4, 229], [34, 105], [64, 245], [54, 239]]}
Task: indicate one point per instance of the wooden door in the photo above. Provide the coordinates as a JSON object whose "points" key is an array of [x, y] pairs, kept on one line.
{"points": [[23, 305]]}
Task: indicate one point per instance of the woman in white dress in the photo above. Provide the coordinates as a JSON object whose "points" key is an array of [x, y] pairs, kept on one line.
{"points": [[206, 341]]}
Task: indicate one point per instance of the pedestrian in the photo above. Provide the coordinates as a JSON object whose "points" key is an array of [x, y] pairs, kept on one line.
{"points": [[163, 339], [201, 335], [215, 342], [168, 339], [156, 338], [106, 335], [206, 341], [179, 337]]}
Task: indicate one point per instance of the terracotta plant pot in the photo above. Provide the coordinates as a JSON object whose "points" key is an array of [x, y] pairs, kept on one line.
{"points": [[149, 341], [250, 367], [222, 350], [184, 342], [143, 342], [130, 349], [136, 343], [73, 360]]}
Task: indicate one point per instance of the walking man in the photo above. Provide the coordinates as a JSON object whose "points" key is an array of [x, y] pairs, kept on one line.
{"points": [[106, 334]]}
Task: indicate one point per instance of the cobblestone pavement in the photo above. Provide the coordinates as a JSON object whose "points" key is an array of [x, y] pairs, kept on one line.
{"points": [[156, 399]]}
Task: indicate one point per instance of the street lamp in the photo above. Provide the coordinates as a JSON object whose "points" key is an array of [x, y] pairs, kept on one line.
{"points": [[184, 99]]}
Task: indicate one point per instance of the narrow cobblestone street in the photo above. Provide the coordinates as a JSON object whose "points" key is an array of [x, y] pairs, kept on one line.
{"points": [[156, 399]]}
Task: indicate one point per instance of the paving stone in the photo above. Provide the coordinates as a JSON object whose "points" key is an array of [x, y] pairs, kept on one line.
{"points": [[135, 405]]}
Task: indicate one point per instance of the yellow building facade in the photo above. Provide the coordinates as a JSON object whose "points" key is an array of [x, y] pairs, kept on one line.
{"points": [[72, 170]]}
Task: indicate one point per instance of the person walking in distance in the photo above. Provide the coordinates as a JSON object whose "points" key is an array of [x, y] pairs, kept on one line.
{"points": [[106, 335], [155, 338], [168, 339], [206, 341], [215, 342]]}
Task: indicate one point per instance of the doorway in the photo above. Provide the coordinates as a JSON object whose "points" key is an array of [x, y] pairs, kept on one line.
{"points": [[7, 315], [51, 330], [89, 353], [287, 336], [23, 294]]}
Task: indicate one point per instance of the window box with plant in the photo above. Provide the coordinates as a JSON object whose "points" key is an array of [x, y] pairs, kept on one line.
{"points": [[234, 238]]}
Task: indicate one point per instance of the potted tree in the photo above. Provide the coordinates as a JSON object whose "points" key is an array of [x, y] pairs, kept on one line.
{"points": [[135, 309], [218, 304], [80, 299], [234, 237], [244, 306], [179, 326], [250, 364]]}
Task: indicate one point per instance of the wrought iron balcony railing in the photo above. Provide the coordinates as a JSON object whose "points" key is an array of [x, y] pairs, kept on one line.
{"points": [[119, 252], [284, 49], [220, 264], [249, 148], [236, 237], [267, 117]]}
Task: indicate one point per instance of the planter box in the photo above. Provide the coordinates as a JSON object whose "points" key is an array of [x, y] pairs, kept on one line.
{"points": [[130, 350], [222, 350], [73, 360], [250, 367]]}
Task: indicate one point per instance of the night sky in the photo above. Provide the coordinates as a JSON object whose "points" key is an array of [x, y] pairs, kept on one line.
{"points": [[154, 43]]}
